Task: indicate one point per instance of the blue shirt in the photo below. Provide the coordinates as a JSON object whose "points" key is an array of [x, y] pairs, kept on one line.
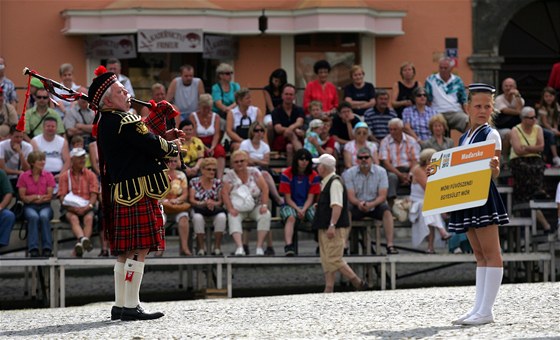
{"points": [[366, 187], [419, 121], [378, 122]]}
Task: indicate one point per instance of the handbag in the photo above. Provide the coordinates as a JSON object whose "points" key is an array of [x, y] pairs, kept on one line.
{"points": [[73, 200], [241, 199], [170, 208]]}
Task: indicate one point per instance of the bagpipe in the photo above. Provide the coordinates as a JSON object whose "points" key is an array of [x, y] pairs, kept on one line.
{"points": [[155, 121]]}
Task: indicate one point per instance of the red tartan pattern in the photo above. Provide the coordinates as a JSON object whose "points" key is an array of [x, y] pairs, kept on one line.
{"points": [[137, 227]]}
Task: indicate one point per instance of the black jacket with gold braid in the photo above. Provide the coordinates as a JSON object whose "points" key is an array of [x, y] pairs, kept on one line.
{"points": [[134, 157]]}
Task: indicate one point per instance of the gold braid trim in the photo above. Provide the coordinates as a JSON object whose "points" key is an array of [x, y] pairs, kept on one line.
{"points": [[131, 191], [129, 118]]}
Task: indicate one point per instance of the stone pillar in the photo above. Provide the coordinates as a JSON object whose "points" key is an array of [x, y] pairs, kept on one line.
{"points": [[485, 68]]}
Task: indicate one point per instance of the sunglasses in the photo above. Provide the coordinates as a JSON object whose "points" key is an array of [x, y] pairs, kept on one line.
{"points": [[363, 158], [304, 159], [227, 73], [421, 95], [211, 169], [530, 117], [239, 161], [258, 130], [42, 97]]}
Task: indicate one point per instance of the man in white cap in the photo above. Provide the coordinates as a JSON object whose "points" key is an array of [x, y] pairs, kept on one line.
{"points": [[332, 222], [83, 183]]}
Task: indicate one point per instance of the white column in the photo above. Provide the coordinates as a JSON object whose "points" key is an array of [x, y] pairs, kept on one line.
{"points": [[367, 56], [288, 57]]}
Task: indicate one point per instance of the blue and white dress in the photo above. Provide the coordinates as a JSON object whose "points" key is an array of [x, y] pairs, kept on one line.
{"points": [[493, 212]]}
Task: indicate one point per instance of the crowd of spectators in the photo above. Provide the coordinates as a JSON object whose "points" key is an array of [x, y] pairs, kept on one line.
{"points": [[376, 135]]}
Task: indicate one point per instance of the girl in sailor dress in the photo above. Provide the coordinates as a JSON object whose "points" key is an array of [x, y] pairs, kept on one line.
{"points": [[481, 223]]}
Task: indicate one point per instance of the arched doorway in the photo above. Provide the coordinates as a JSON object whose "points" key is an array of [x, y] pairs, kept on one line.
{"points": [[530, 44]]}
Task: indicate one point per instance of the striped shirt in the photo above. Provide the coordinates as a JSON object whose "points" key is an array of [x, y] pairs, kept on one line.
{"points": [[399, 154], [378, 122]]}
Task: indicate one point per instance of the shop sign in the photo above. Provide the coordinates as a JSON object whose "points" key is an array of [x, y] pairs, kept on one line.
{"points": [[115, 46], [220, 47], [170, 40]]}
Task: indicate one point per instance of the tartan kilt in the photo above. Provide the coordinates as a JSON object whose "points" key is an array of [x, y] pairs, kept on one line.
{"points": [[139, 226]]}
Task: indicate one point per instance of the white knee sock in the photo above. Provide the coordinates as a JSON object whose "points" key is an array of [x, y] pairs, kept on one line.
{"points": [[134, 270], [491, 287], [119, 284], [480, 280]]}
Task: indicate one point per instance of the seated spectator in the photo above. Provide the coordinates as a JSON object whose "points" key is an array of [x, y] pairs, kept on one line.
{"points": [[416, 117], [300, 184], [78, 120], [273, 91], [245, 195], [13, 155], [402, 90], [35, 188], [509, 105], [313, 142], [184, 92], [360, 94], [287, 120], [241, 117], [223, 92], [83, 183], [423, 226], [77, 142], [398, 153], [329, 143], [525, 160], [8, 113], [7, 217], [378, 117], [259, 156], [206, 125], [206, 200], [549, 116], [343, 125], [438, 129], [66, 72], [54, 146], [175, 205], [321, 89], [361, 134], [35, 117], [192, 149], [366, 187], [315, 112], [447, 95]]}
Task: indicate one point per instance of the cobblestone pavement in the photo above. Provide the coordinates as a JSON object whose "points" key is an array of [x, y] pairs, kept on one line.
{"points": [[522, 311]]}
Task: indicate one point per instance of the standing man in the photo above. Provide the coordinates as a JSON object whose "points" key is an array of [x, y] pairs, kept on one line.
{"points": [[133, 178], [333, 222], [185, 90], [114, 65], [10, 95], [448, 96], [367, 186]]}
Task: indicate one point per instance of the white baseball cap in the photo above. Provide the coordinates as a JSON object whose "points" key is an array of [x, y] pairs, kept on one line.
{"points": [[325, 159], [77, 152]]}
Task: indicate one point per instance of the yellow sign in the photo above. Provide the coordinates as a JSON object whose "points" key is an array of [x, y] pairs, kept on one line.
{"points": [[460, 178]]}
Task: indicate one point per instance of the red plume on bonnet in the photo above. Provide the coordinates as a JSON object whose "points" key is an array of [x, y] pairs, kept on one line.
{"points": [[98, 87], [100, 70]]}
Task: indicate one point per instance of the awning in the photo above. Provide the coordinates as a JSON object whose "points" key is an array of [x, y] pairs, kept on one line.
{"points": [[238, 22]]}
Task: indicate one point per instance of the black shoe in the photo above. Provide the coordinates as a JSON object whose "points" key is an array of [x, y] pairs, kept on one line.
{"points": [[269, 251], [363, 286], [289, 250], [116, 313], [34, 253], [104, 253], [47, 252], [137, 313], [346, 251], [246, 249]]}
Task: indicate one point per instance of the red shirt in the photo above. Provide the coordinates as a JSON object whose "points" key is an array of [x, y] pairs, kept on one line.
{"points": [[314, 91]]}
